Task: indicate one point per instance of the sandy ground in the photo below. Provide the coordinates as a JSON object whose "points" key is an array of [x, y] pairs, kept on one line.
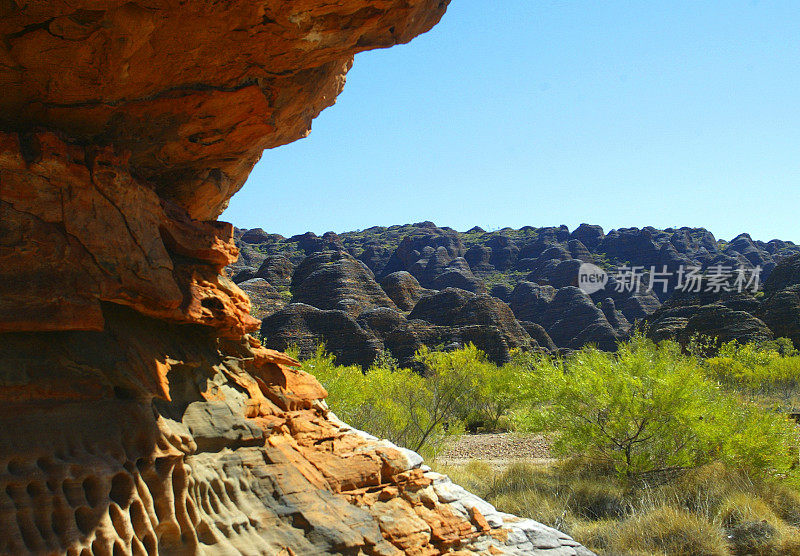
{"points": [[499, 450]]}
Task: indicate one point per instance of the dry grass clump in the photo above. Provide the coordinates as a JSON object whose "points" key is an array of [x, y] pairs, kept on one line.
{"points": [[743, 507], [790, 544], [593, 499], [785, 502], [476, 476], [547, 509], [710, 511], [666, 530], [752, 525], [704, 489]]}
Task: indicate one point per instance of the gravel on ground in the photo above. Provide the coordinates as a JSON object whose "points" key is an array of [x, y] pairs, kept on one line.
{"points": [[499, 449]]}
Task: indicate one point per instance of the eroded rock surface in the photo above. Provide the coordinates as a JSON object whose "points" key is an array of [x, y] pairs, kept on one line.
{"points": [[725, 317], [137, 415], [335, 280], [79, 229], [238, 453]]}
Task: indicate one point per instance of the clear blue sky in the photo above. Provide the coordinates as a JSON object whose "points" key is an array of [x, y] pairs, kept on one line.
{"points": [[541, 113]]}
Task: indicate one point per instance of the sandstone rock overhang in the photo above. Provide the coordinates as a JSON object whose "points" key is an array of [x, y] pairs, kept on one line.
{"points": [[126, 126], [194, 91], [137, 414]]}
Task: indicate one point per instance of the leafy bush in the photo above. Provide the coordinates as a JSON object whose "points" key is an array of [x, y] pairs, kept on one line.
{"points": [[460, 388], [766, 373], [509, 278], [650, 408], [402, 406], [646, 409], [499, 391]]}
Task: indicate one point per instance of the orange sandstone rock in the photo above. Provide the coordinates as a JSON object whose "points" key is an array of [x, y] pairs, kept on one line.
{"points": [[194, 92], [79, 229], [137, 415]]}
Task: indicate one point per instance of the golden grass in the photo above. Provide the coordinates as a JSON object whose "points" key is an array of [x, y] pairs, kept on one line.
{"points": [[710, 511], [667, 530]]}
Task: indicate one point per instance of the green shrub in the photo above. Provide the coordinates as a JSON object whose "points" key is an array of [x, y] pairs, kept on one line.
{"points": [[768, 373], [636, 409], [644, 411], [499, 392], [400, 405], [745, 437], [509, 278], [649, 408]]}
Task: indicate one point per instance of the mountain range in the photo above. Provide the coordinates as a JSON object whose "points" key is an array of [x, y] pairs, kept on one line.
{"points": [[390, 290]]}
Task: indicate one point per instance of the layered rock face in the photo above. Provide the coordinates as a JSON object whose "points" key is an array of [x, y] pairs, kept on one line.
{"points": [[194, 94], [138, 415], [78, 230]]}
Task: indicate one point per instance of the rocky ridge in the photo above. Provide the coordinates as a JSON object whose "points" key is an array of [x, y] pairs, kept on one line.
{"points": [[138, 415], [515, 289]]}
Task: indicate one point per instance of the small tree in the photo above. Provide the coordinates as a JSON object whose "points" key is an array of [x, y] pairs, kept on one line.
{"points": [[451, 385], [499, 391], [398, 404], [650, 408]]}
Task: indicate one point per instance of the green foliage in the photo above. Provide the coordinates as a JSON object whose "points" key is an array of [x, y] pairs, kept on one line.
{"points": [[398, 404], [474, 238], [460, 388], [508, 278], [646, 409], [289, 249], [493, 391], [347, 395], [286, 294], [767, 373], [457, 384], [649, 408], [602, 260], [499, 391], [523, 235]]}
